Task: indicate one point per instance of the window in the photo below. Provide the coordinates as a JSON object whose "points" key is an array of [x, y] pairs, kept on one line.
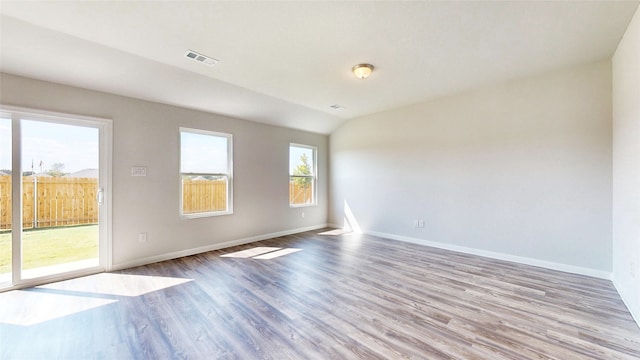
{"points": [[302, 175], [206, 173]]}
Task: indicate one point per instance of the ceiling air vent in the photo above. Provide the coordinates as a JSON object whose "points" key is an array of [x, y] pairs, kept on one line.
{"points": [[200, 58]]}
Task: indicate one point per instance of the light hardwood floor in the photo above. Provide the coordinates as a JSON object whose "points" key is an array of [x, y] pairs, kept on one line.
{"points": [[336, 297]]}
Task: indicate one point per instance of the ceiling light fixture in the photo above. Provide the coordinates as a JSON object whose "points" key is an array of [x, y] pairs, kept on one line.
{"points": [[362, 71]]}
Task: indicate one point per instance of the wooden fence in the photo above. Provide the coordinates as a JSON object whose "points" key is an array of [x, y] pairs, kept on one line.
{"points": [[211, 195], [51, 201], [203, 195], [5, 202], [300, 194], [61, 201]]}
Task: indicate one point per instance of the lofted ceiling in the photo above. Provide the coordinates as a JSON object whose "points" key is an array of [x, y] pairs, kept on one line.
{"points": [[286, 63]]}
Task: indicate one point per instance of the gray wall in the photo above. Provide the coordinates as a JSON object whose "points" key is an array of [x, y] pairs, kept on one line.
{"points": [[520, 170], [146, 134], [626, 167]]}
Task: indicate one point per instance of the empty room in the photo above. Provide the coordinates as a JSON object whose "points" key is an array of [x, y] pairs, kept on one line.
{"points": [[319, 179]]}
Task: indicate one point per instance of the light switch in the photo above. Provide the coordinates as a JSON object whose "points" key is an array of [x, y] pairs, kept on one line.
{"points": [[138, 171]]}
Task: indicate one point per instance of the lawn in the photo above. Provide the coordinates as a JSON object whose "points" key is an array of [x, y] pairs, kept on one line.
{"points": [[51, 246]]}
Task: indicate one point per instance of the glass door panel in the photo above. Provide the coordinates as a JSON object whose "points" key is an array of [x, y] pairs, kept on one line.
{"points": [[60, 213]]}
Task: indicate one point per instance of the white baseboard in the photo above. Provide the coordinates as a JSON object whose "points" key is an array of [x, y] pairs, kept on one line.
{"points": [[635, 316], [218, 246], [500, 256]]}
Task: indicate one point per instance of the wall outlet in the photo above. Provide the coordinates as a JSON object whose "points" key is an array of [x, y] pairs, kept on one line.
{"points": [[418, 223], [302, 214], [143, 237]]}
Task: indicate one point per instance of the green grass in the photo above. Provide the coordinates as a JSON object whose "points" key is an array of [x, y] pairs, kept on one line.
{"points": [[51, 246]]}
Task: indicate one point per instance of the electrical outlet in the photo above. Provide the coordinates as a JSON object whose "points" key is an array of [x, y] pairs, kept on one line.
{"points": [[421, 223], [302, 214], [143, 237]]}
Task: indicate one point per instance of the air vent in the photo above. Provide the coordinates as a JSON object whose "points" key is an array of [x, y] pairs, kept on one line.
{"points": [[200, 58]]}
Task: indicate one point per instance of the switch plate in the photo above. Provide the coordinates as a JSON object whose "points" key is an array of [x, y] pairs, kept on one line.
{"points": [[138, 171]]}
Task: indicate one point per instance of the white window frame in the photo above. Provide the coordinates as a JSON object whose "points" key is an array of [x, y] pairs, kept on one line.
{"points": [[228, 175], [314, 177]]}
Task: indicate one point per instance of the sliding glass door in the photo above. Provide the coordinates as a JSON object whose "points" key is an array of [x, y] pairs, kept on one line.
{"points": [[53, 196]]}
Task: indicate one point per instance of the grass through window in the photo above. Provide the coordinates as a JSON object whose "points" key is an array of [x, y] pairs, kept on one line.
{"points": [[51, 246]]}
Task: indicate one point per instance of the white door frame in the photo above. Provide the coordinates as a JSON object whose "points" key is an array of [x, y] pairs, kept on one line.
{"points": [[105, 129]]}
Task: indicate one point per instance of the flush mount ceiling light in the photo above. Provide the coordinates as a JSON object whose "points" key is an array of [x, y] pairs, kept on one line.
{"points": [[362, 71]]}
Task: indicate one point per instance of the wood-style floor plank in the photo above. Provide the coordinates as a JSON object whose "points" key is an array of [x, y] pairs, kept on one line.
{"points": [[339, 297]]}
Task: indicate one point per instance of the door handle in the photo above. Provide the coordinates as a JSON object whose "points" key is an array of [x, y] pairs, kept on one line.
{"points": [[100, 196]]}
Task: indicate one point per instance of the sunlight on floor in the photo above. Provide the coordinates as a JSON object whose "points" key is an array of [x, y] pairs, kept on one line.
{"points": [[275, 254], [337, 232], [261, 252], [116, 284], [251, 252], [23, 307], [353, 240], [64, 298]]}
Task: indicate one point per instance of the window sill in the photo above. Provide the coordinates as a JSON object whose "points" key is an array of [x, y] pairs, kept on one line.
{"points": [[302, 205], [205, 214]]}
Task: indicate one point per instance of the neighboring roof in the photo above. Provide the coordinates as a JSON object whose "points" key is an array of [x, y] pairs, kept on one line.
{"points": [[2, 173], [39, 175], [85, 173]]}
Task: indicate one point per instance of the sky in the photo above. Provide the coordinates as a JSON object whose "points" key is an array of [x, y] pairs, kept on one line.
{"points": [[44, 144], [202, 153]]}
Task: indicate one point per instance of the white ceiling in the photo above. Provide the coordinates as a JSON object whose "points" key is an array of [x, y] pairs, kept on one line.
{"points": [[285, 63]]}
